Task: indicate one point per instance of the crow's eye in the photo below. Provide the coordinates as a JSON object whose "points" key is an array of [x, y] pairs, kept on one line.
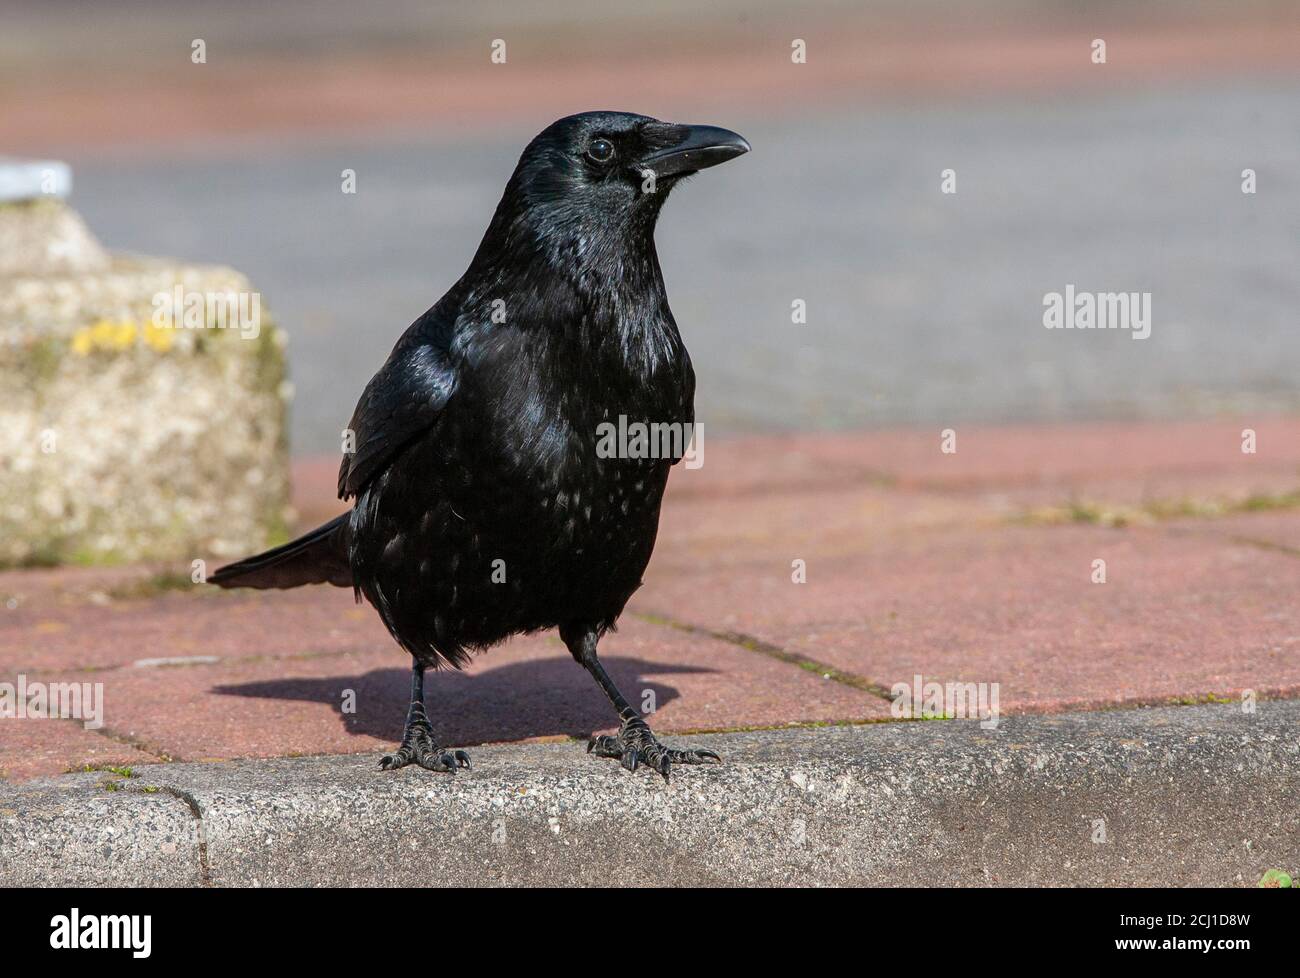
{"points": [[601, 150]]}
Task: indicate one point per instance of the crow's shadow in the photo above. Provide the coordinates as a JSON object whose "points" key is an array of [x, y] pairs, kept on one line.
{"points": [[538, 698]]}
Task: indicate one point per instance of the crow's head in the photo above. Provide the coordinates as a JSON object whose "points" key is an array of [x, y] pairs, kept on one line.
{"points": [[601, 172]]}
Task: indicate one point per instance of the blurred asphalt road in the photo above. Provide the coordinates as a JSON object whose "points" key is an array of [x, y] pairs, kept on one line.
{"points": [[922, 308]]}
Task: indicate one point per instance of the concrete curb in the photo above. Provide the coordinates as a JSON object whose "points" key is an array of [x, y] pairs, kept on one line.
{"points": [[1202, 795]]}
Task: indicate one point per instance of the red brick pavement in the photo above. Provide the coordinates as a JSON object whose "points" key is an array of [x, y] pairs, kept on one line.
{"points": [[973, 567]]}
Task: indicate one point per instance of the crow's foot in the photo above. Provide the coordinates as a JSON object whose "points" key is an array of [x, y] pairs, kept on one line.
{"points": [[635, 745], [418, 748]]}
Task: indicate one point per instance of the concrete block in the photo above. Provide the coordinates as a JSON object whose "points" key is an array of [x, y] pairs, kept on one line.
{"points": [[144, 403]]}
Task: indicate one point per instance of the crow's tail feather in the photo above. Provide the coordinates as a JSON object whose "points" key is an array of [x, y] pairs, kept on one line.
{"points": [[319, 557]]}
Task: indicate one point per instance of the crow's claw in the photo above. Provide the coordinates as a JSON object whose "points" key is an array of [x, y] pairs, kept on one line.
{"points": [[418, 748], [605, 746], [635, 745]]}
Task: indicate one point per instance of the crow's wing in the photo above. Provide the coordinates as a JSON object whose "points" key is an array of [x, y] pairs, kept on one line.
{"points": [[401, 401]]}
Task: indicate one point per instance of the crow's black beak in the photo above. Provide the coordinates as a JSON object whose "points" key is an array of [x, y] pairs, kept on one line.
{"points": [[704, 146]]}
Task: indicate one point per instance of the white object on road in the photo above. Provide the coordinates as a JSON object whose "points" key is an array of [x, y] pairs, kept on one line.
{"points": [[31, 179]]}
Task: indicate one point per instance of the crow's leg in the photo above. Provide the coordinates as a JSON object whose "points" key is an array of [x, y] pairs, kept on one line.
{"points": [[635, 743], [418, 746]]}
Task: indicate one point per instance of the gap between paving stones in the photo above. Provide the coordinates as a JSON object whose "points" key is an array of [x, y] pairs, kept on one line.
{"points": [[751, 644], [761, 647]]}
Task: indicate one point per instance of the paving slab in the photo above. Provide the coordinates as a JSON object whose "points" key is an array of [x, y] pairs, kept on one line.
{"points": [[1169, 797], [264, 689], [42, 635], [1178, 616], [710, 534], [73, 585], [1120, 473], [1047, 454], [31, 748], [1279, 531]]}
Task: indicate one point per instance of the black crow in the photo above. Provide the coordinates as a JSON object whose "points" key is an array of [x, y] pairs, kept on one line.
{"points": [[484, 505]]}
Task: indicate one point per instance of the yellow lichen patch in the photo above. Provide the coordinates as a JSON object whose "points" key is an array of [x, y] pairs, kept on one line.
{"points": [[160, 338], [112, 334], [119, 335]]}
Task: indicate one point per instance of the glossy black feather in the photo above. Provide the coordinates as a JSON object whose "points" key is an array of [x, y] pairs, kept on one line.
{"points": [[319, 557]]}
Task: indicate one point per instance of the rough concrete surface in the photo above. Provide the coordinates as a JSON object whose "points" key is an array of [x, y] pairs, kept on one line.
{"points": [[126, 434], [43, 236], [1181, 795], [73, 832]]}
